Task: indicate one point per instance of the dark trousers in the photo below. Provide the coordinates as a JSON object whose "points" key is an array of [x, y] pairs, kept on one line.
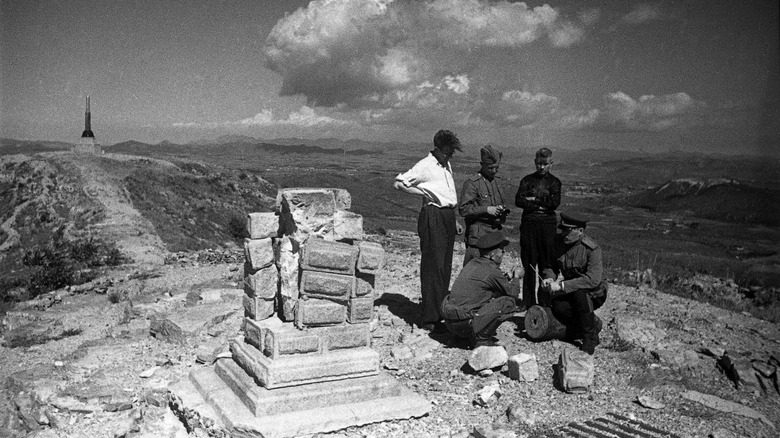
{"points": [[537, 240], [485, 321], [575, 310], [436, 228]]}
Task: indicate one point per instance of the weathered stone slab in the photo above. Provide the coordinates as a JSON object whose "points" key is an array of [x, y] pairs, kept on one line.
{"points": [[287, 260], [347, 225], [305, 368], [327, 256], [576, 370], [259, 252], [364, 284], [345, 336], [523, 367], [258, 308], [360, 309], [371, 258], [306, 211], [298, 411], [327, 285], [274, 338], [315, 312], [262, 283], [341, 197], [262, 225], [487, 357]]}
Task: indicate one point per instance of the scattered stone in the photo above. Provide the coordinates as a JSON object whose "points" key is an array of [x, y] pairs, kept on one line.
{"points": [[712, 350], [649, 402], [722, 433], [488, 394], [59, 363], [523, 367], [118, 406], [402, 352], [639, 332], [764, 368], [485, 373], [493, 431], [722, 405], [516, 414], [149, 373], [487, 357]]}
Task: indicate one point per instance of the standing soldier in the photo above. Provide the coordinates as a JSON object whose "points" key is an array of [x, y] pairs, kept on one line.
{"points": [[482, 202], [576, 282], [431, 179], [539, 194]]}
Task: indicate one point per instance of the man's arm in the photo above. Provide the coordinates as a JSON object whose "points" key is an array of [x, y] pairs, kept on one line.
{"points": [[552, 200], [591, 278], [524, 198]]}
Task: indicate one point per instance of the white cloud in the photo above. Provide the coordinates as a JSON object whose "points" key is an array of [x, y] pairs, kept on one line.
{"points": [[648, 113], [641, 13], [304, 117], [355, 52]]}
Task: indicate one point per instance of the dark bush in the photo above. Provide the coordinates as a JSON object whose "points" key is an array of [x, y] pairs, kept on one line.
{"points": [[237, 226]]}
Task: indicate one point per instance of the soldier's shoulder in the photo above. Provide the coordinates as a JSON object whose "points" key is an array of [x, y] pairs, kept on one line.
{"points": [[589, 242], [475, 177]]}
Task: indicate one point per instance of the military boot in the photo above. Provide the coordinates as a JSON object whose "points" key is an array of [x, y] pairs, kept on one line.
{"points": [[591, 338]]}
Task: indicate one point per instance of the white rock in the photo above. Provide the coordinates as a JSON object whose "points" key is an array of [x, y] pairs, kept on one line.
{"points": [[487, 357]]}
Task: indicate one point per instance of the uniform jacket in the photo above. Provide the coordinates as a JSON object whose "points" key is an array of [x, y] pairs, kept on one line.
{"points": [[580, 265], [476, 196], [547, 191], [478, 282]]}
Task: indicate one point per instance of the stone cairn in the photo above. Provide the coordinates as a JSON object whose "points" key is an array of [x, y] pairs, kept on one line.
{"points": [[305, 363]]}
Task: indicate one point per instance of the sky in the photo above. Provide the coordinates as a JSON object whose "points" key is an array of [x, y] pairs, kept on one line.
{"points": [[689, 75]]}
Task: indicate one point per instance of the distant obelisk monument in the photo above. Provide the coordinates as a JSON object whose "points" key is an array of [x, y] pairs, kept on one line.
{"points": [[87, 143]]}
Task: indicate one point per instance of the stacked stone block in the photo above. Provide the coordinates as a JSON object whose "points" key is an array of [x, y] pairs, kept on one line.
{"points": [[309, 282]]}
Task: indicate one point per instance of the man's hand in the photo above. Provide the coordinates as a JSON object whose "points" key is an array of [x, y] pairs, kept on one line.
{"points": [[493, 210], [458, 228], [518, 272]]}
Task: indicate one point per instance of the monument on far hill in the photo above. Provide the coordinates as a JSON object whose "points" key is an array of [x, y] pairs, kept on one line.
{"points": [[87, 143], [304, 363]]}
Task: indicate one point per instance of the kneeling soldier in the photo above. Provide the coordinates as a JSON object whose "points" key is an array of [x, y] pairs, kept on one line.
{"points": [[482, 296], [576, 284]]}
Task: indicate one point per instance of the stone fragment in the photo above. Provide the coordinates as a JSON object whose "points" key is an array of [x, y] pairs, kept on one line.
{"points": [[515, 413], [275, 339], [327, 256], [262, 283], [639, 332], [149, 372], [306, 212], [258, 308], [764, 368], [745, 373], [493, 431], [118, 406], [487, 357], [287, 308], [259, 253], [722, 405], [315, 312], [364, 284], [262, 225], [371, 258], [346, 336], [402, 352], [576, 370], [166, 330], [649, 402], [327, 285], [360, 309], [488, 394], [523, 367], [347, 225]]}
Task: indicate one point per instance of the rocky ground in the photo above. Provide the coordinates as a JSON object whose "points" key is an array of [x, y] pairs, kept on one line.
{"points": [[95, 360], [109, 360]]}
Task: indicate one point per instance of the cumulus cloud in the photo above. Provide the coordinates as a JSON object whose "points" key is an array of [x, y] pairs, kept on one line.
{"points": [[304, 117], [354, 52], [518, 108], [648, 113], [641, 13]]}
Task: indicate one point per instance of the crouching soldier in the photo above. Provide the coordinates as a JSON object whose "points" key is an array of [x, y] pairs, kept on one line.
{"points": [[576, 284], [482, 296]]}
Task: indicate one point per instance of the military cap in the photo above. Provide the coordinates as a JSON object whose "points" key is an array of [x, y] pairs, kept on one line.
{"points": [[569, 221], [492, 240], [490, 155]]}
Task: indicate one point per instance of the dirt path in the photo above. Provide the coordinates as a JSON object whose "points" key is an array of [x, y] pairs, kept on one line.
{"points": [[134, 235]]}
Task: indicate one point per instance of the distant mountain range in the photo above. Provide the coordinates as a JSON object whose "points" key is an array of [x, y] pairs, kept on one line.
{"points": [[719, 199]]}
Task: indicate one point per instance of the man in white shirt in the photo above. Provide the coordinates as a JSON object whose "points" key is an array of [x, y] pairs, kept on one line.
{"points": [[431, 179]]}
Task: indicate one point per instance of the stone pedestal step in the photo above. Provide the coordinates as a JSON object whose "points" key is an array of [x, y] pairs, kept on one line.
{"points": [[387, 400]]}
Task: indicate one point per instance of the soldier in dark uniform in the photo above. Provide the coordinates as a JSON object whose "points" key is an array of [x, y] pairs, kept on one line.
{"points": [[538, 194], [482, 296], [482, 202], [576, 284]]}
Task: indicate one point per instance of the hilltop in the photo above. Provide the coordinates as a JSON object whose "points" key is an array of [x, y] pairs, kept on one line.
{"points": [[80, 360]]}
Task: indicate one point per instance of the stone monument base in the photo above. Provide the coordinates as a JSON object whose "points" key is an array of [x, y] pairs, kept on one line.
{"points": [[229, 396]]}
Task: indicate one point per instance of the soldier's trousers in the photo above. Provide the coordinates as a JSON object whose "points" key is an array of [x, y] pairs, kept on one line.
{"points": [[436, 228], [537, 239], [575, 310]]}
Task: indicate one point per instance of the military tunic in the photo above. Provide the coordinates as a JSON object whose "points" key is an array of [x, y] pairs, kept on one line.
{"points": [[479, 193]]}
